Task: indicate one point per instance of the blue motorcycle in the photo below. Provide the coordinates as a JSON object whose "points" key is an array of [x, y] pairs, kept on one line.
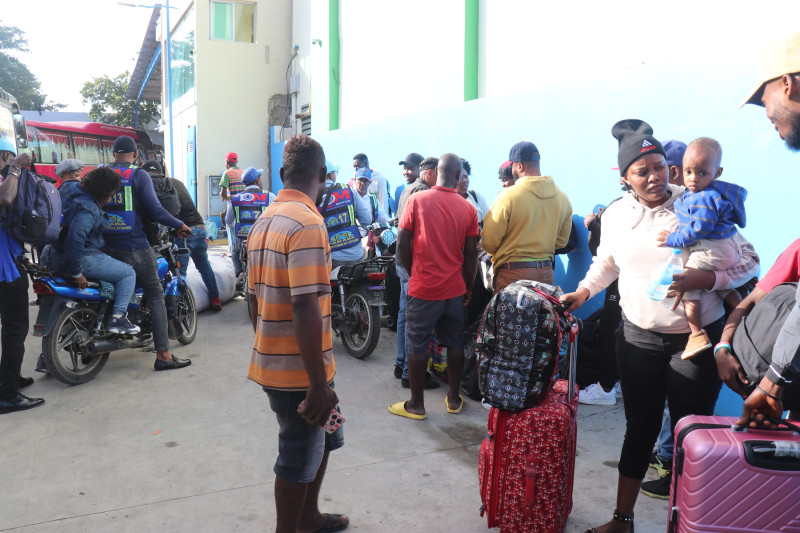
{"points": [[72, 322]]}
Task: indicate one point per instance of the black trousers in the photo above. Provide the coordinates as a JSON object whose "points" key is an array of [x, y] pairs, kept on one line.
{"points": [[14, 322], [609, 322], [650, 370]]}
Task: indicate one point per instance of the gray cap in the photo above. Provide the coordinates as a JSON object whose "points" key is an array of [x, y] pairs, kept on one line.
{"points": [[68, 165]]}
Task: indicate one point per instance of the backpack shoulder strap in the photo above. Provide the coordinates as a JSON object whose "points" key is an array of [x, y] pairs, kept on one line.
{"points": [[327, 201]]}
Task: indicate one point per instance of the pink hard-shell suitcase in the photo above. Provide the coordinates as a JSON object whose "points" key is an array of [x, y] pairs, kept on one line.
{"points": [[730, 480]]}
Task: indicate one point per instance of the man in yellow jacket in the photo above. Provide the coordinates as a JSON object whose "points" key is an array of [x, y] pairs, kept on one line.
{"points": [[527, 223]]}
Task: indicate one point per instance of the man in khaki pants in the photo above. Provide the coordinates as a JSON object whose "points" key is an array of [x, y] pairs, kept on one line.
{"points": [[527, 223]]}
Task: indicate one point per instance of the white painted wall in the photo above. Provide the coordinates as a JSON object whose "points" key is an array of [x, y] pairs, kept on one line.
{"points": [[561, 75]]}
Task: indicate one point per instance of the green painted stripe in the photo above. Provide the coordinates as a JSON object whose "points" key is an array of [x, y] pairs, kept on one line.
{"points": [[471, 18], [333, 67]]}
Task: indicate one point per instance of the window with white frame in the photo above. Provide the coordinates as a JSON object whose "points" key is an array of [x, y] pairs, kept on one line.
{"points": [[233, 21]]}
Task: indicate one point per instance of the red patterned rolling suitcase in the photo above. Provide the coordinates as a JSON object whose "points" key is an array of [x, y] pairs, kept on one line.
{"points": [[527, 462], [727, 480]]}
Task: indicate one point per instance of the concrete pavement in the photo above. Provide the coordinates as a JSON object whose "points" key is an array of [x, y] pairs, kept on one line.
{"points": [[192, 450]]}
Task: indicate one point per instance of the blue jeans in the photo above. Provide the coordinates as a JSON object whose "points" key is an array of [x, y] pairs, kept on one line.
{"points": [[231, 238], [143, 261], [402, 354], [237, 249], [122, 275], [198, 250], [301, 445], [666, 442]]}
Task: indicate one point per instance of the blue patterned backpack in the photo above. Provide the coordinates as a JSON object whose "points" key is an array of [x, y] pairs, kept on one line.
{"points": [[522, 345]]}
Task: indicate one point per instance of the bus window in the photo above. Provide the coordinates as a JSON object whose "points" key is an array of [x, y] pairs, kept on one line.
{"points": [[49, 148], [58, 145], [87, 149], [108, 151], [33, 144]]}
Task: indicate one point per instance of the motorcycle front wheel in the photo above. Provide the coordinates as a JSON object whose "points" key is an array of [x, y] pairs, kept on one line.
{"points": [[366, 334], [187, 313], [61, 348]]}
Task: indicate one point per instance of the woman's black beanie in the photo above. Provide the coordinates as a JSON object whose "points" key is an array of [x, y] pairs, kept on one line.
{"points": [[635, 140]]}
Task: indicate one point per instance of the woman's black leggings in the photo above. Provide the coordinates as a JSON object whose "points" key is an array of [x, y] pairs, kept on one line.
{"points": [[651, 369]]}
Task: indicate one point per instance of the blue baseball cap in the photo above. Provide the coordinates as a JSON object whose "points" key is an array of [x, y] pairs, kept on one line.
{"points": [[251, 175], [674, 152], [331, 167], [364, 174], [7, 146]]}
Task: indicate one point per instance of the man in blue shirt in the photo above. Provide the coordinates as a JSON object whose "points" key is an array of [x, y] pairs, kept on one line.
{"points": [[127, 242], [13, 291]]}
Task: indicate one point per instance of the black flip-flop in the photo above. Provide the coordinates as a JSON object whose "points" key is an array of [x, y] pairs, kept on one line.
{"points": [[330, 523]]}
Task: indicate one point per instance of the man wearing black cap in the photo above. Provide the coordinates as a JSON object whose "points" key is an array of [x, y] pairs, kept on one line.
{"points": [[527, 223], [410, 173], [127, 242], [196, 243]]}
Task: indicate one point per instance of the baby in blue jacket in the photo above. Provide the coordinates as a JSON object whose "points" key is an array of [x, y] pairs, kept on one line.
{"points": [[708, 213]]}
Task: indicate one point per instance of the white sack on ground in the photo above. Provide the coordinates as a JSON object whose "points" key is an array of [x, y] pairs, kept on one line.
{"points": [[222, 265]]}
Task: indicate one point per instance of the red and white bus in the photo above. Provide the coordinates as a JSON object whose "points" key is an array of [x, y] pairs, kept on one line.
{"points": [[49, 143]]}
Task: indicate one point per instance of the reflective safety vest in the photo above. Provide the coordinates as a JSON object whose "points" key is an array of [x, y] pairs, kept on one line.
{"points": [[339, 212], [247, 207], [373, 196], [120, 208], [235, 183]]}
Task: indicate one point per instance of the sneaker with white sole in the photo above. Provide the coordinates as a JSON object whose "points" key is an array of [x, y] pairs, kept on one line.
{"points": [[122, 325], [595, 395]]}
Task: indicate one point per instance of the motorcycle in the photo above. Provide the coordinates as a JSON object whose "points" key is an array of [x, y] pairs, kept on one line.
{"points": [[72, 321], [356, 299], [241, 283], [381, 241]]}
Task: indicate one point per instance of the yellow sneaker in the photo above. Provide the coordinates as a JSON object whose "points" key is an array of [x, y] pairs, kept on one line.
{"points": [[698, 342]]}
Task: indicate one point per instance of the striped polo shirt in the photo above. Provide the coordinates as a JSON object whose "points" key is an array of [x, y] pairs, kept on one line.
{"points": [[288, 254]]}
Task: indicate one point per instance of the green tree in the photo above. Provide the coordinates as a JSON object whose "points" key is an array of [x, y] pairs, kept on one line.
{"points": [[107, 96], [15, 76]]}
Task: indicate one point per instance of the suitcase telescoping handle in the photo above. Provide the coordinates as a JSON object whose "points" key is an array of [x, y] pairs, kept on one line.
{"points": [[573, 357]]}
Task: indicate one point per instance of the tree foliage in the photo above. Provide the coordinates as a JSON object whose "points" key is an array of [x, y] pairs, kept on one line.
{"points": [[108, 104], [15, 76]]}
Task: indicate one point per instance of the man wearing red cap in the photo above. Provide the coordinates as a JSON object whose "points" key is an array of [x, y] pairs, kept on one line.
{"points": [[231, 183]]}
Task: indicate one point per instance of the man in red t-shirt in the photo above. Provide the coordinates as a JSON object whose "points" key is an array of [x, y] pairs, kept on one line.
{"points": [[437, 244]]}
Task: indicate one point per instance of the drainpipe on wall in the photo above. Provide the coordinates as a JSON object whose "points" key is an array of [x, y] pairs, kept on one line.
{"points": [[471, 18], [333, 67]]}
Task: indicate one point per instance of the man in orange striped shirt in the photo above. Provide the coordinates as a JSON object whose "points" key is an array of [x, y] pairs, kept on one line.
{"points": [[289, 282]]}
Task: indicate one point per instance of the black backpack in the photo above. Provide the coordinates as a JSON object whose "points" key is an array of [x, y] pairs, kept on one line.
{"points": [[167, 194], [35, 215], [755, 336]]}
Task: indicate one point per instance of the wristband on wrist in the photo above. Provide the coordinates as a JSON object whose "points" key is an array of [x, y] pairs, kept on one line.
{"points": [[775, 376], [721, 345], [768, 395]]}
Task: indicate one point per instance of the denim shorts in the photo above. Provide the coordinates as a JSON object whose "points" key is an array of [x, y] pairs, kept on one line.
{"points": [[300, 445], [423, 316]]}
